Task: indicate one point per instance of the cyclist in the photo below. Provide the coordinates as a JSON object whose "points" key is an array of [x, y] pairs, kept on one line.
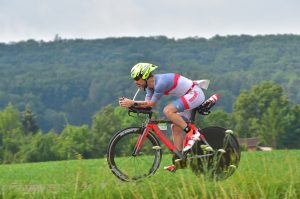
{"points": [[189, 96]]}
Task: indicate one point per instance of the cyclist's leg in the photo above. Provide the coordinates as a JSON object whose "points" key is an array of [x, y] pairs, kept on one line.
{"points": [[177, 132], [178, 140], [177, 136], [171, 113], [184, 104]]}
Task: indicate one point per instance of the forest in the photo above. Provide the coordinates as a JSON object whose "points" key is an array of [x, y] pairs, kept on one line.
{"points": [[60, 97]]}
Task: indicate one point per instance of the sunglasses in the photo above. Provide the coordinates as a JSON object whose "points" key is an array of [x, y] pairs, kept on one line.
{"points": [[137, 78]]}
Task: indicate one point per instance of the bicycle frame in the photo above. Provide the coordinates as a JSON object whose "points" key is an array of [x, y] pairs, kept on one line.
{"points": [[152, 125]]}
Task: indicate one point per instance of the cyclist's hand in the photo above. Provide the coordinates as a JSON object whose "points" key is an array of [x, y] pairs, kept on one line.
{"points": [[207, 103], [125, 102]]}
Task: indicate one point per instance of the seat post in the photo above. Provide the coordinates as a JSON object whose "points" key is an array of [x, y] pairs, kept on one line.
{"points": [[193, 115]]}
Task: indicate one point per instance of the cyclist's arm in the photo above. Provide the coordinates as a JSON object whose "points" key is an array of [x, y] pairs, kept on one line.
{"points": [[155, 96], [144, 104], [151, 100], [125, 102]]}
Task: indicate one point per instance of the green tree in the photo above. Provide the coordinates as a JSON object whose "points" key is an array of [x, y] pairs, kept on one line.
{"points": [[217, 118], [121, 114], [105, 125], [272, 124], [11, 134], [12, 142], [39, 147], [29, 121], [245, 114], [9, 119], [291, 137], [257, 112], [75, 140]]}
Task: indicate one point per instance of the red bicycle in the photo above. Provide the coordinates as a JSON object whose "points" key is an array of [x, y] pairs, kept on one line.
{"points": [[135, 152]]}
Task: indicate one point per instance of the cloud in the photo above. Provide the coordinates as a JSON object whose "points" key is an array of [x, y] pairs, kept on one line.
{"points": [[42, 19]]}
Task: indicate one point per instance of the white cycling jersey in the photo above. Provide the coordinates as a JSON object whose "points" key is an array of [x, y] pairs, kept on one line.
{"points": [[190, 95]]}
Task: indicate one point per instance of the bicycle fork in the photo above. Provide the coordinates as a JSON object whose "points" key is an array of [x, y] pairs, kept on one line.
{"points": [[140, 142]]}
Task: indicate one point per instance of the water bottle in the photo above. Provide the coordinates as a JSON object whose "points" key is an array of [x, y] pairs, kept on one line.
{"points": [[212, 100]]}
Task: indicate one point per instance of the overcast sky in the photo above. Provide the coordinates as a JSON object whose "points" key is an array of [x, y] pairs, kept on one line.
{"points": [[89, 19]]}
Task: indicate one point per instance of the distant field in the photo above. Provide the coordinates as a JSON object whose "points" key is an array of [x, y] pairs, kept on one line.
{"points": [[273, 174]]}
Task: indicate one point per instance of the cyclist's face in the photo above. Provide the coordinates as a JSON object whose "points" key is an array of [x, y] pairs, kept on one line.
{"points": [[140, 82]]}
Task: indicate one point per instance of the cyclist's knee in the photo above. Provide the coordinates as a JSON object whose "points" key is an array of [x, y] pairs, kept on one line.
{"points": [[169, 110]]}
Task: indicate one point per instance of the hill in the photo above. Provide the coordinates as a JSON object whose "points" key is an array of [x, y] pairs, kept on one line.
{"points": [[69, 80]]}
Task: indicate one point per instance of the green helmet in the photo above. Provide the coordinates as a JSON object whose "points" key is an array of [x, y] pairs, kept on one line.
{"points": [[142, 70]]}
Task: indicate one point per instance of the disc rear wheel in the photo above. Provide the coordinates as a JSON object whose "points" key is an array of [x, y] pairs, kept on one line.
{"points": [[220, 162]]}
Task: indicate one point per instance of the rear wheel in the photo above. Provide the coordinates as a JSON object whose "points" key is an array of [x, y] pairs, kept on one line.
{"points": [[129, 167], [222, 161]]}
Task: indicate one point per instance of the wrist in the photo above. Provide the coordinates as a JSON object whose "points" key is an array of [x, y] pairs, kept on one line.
{"points": [[135, 104]]}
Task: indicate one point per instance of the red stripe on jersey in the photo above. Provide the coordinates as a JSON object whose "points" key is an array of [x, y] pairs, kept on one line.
{"points": [[176, 77], [186, 105]]}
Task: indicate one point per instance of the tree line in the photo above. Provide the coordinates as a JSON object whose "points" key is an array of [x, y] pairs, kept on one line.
{"points": [[263, 111], [22, 141]]}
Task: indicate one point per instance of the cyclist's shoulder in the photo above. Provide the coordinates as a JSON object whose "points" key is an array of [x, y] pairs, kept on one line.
{"points": [[165, 75], [163, 78]]}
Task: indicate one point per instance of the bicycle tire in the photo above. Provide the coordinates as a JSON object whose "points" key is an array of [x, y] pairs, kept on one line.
{"points": [[218, 166], [123, 164]]}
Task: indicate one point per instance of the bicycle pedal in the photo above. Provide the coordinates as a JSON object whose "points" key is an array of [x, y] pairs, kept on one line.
{"points": [[229, 132], [156, 147]]}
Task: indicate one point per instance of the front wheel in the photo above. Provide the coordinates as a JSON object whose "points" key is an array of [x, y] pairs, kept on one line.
{"points": [[128, 166]]}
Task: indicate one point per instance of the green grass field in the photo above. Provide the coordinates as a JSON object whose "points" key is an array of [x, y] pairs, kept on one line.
{"points": [[273, 174]]}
